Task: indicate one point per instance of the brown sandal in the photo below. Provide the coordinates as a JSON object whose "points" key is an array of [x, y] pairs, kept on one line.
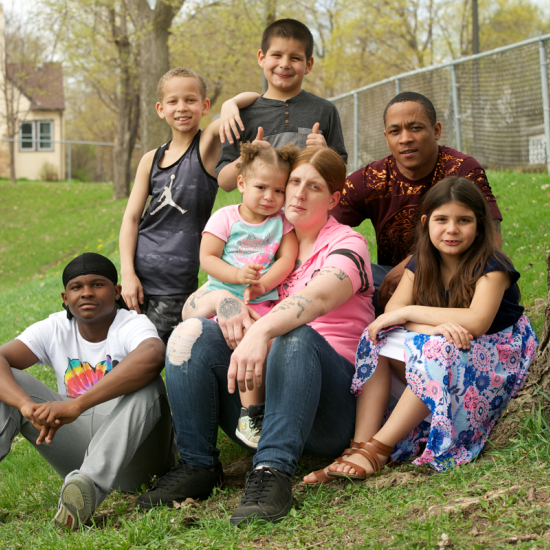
{"points": [[320, 475], [380, 449]]}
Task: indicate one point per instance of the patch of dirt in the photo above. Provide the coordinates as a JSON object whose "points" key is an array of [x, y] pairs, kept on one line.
{"points": [[235, 473], [471, 506]]}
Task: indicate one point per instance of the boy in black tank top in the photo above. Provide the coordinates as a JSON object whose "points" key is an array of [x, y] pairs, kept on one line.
{"points": [[159, 250]]}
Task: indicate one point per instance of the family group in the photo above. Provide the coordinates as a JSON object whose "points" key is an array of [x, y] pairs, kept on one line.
{"points": [[298, 342]]}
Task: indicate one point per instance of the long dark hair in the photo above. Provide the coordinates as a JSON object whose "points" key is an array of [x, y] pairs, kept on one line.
{"points": [[428, 283]]}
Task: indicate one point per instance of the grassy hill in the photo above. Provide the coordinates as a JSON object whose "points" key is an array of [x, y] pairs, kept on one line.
{"points": [[44, 225], [501, 500]]}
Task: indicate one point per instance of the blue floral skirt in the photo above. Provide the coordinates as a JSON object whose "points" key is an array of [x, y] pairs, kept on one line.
{"points": [[466, 391]]}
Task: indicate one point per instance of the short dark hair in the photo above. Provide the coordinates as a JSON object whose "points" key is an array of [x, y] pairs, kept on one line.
{"points": [[288, 28], [181, 71], [417, 98]]}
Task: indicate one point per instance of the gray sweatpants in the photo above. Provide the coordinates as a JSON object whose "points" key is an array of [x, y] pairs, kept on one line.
{"points": [[120, 444]]}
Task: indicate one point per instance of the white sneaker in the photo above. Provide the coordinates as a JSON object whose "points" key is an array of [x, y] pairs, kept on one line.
{"points": [[249, 425], [77, 502]]}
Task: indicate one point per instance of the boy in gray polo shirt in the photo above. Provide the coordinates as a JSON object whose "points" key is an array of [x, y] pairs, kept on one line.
{"points": [[285, 113]]}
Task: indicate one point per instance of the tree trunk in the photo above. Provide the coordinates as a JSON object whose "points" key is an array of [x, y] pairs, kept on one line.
{"points": [[10, 118], [125, 140], [531, 395], [153, 29], [128, 109], [11, 146]]}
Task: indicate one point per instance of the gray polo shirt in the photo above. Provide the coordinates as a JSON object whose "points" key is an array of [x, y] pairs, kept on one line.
{"points": [[287, 121]]}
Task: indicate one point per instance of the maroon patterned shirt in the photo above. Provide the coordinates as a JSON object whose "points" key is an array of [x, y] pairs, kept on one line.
{"points": [[380, 192]]}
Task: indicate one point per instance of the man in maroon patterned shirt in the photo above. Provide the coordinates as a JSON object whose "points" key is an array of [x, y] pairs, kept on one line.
{"points": [[388, 191]]}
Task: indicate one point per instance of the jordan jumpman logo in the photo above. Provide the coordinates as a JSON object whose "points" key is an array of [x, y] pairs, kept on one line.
{"points": [[168, 200]]}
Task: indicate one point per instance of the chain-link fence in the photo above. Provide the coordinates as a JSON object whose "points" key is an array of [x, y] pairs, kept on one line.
{"points": [[493, 106]]}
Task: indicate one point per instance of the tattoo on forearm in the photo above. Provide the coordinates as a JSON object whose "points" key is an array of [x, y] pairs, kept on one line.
{"points": [[338, 273], [229, 307], [294, 301], [191, 302]]}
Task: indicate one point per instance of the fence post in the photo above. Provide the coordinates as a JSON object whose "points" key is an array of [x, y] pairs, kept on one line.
{"points": [[397, 87], [545, 100], [456, 109], [355, 132], [69, 178]]}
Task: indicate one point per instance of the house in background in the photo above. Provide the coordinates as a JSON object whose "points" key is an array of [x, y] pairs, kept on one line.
{"points": [[41, 104]]}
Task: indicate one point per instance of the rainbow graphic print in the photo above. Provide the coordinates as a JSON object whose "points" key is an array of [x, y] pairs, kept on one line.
{"points": [[80, 377]]}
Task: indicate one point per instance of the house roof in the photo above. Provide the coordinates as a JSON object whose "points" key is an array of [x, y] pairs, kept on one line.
{"points": [[43, 85]]}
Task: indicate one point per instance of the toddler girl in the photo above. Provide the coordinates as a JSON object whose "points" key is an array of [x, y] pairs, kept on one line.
{"points": [[251, 248]]}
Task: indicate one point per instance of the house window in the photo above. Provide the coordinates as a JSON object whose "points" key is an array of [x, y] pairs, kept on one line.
{"points": [[27, 137], [36, 135]]}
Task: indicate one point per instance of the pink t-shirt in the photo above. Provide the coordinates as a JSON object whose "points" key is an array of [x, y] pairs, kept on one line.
{"points": [[339, 246]]}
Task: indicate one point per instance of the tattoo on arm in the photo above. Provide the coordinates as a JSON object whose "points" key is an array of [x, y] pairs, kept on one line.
{"points": [[229, 307], [294, 301], [297, 265], [191, 302], [338, 273]]}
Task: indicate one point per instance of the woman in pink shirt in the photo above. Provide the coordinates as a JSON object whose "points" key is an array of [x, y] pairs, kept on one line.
{"points": [[325, 304]]}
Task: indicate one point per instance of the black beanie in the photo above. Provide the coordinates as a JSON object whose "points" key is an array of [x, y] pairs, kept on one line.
{"points": [[87, 263]]}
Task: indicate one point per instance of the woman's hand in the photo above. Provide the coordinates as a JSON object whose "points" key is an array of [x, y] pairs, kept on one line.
{"points": [[456, 333], [397, 317], [132, 292], [249, 274], [233, 317], [247, 362]]}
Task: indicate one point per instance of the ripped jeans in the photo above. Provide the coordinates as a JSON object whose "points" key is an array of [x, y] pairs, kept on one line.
{"points": [[308, 404]]}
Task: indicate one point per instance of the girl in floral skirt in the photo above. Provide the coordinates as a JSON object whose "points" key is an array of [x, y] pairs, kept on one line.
{"points": [[452, 348]]}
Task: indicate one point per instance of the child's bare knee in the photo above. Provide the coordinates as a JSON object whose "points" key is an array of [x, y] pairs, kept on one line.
{"points": [[182, 340]]}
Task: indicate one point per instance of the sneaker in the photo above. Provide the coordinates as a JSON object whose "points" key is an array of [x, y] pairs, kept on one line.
{"points": [[77, 502], [267, 496], [181, 482], [249, 426]]}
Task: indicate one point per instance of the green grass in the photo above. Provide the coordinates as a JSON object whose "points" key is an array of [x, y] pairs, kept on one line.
{"points": [[45, 224]]}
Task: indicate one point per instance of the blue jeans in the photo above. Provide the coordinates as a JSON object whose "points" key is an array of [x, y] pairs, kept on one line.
{"points": [[308, 405]]}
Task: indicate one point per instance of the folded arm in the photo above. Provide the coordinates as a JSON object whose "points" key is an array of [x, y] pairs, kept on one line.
{"points": [[475, 320], [233, 315], [327, 291], [135, 371]]}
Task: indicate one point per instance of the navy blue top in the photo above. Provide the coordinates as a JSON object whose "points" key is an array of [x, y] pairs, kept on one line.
{"points": [[169, 235], [509, 311]]}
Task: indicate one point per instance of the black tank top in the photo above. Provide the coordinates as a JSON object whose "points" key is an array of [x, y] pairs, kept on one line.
{"points": [[169, 236]]}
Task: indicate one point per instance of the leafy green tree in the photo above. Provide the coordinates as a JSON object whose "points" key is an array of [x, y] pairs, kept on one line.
{"points": [[152, 25], [97, 39]]}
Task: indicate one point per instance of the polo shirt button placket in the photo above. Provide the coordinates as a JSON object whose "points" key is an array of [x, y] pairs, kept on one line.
{"points": [[286, 113]]}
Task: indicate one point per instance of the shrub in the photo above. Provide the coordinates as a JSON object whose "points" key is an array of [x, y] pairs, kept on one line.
{"points": [[48, 172]]}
